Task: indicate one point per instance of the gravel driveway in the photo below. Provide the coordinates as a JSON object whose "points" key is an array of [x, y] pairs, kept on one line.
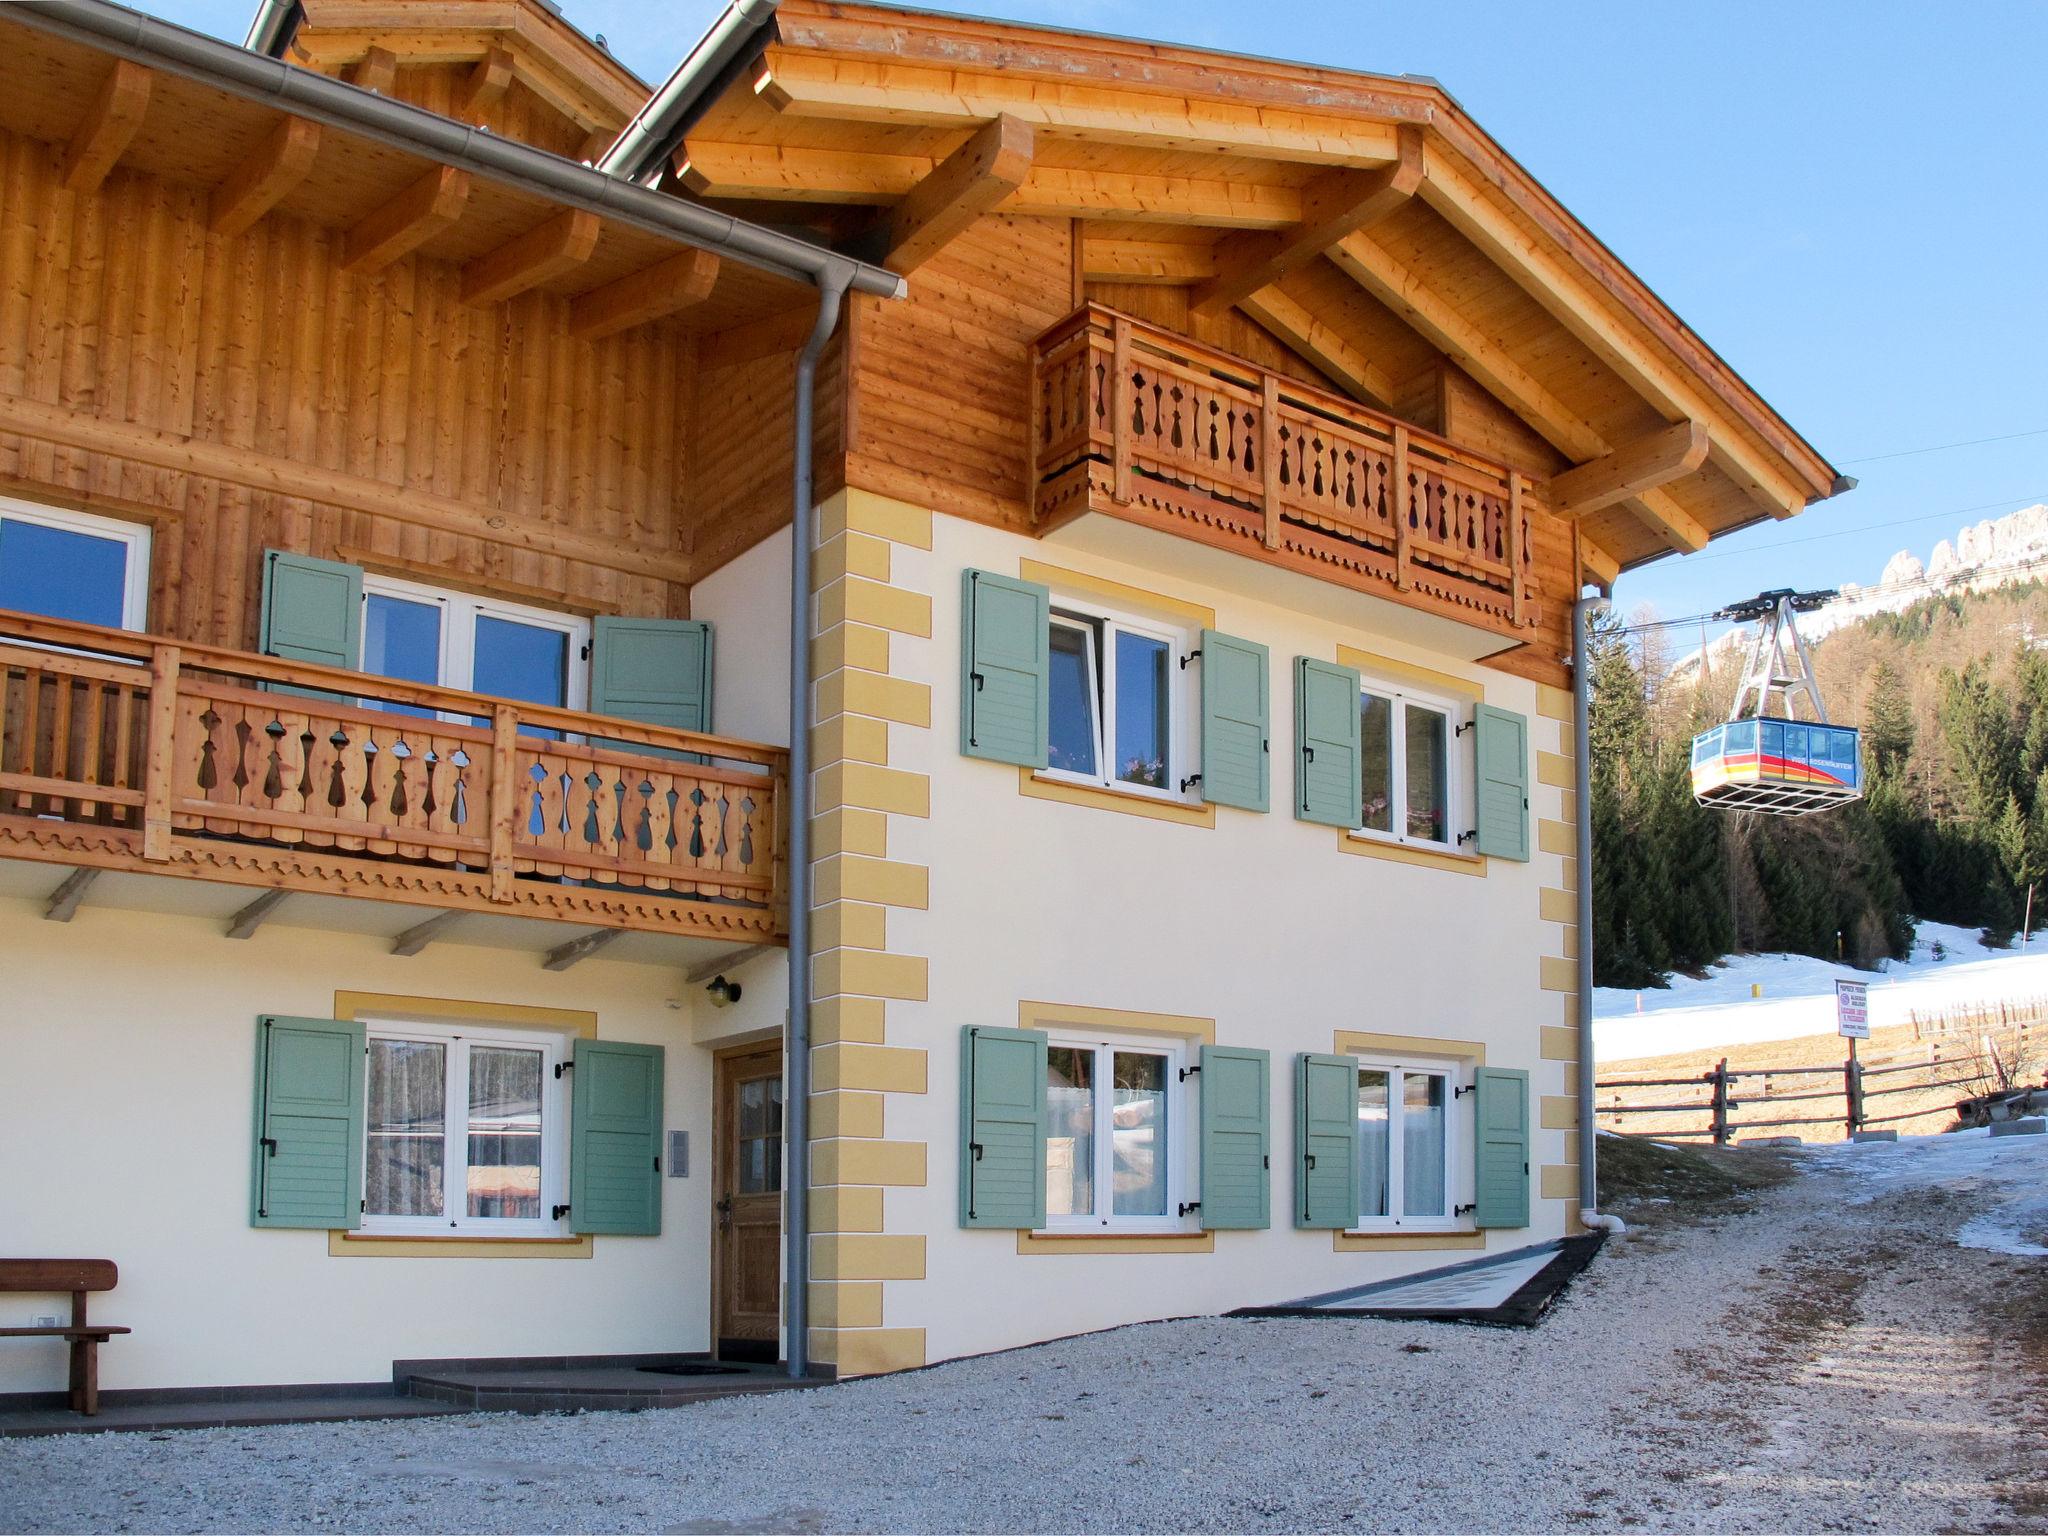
{"points": [[1830, 1360]]}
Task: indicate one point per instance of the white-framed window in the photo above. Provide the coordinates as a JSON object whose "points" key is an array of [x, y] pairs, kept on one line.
{"points": [[73, 565], [1408, 1165], [1118, 711], [427, 634], [1412, 767], [1114, 1114], [464, 1130]]}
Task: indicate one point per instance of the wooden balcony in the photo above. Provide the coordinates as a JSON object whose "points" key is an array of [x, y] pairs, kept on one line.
{"points": [[128, 752], [1142, 424]]}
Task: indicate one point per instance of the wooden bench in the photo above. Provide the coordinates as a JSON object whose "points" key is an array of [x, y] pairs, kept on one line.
{"points": [[78, 1276]]}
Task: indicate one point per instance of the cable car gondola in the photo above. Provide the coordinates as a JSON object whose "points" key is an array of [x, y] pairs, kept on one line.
{"points": [[1777, 764]]}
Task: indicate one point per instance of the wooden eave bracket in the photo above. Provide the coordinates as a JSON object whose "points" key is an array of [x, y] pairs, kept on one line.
{"points": [[64, 901], [412, 218], [1337, 203], [106, 130], [266, 178], [1643, 465], [666, 288], [376, 70], [562, 956], [547, 251], [486, 85], [965, 185]]}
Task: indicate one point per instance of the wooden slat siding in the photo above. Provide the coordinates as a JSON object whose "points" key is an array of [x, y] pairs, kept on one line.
{"points": [[122, 307]]}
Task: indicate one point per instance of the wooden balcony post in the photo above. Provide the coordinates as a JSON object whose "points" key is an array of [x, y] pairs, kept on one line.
{"points": [[1400, 507], [504, 799], [1034, 434], [160, 753], [1515, 547], [1120, 411], [1269, 454]]}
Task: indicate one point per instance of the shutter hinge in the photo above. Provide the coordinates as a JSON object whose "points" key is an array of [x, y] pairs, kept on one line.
{"points": [[269, 1145], [1463, 1210], [363, 1207], [1308, 1162], [1191, 655], [1189, 782], [1466, 837], [1469, 725], [1188, 1206], [1459, 1091], [1186, 1073], [563, 1066], [657, 1162], [559, 1212], [586, 650], [1266, 1160]]}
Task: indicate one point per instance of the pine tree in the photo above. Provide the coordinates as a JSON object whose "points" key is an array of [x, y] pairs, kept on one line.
{"points": [[1887, 722]]}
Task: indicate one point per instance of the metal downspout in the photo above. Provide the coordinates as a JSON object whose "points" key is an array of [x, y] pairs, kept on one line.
{"points": [[796, 1093], [1582, 787]]}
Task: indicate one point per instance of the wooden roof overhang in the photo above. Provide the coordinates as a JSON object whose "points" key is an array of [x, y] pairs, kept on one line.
{"points": [[254, 158], [1365, 221]]}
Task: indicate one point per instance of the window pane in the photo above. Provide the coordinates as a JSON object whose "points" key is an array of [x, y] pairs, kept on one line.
{"points": [[1138, 1134], [1372, 1144], [401, 639], [521, 661], [1072, 729], [1422, 1145], [1426, 759], [504, 1132], [1376, 737], [407, 1119], [1070, 1132], [1141, 739], [760, 1133], [61, 573]]}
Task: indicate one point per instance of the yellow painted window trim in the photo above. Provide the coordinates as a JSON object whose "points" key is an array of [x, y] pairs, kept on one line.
{"points": [[1116, 1242], [1082, 584], [1393, 670], [1040, 1015], [1408, 853], [1404, 1242], [1034, 786], [356, 1245], [569, 1021], [1353, 1042]]}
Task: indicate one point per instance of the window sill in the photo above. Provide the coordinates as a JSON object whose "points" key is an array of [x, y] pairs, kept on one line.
{"points": [[1116, 1242], [1411, 1241], [389, 1245], [1035, 784], [1409, 853]]}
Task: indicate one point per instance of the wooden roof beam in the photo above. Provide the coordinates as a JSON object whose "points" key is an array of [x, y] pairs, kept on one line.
{"points": [[412, 218], [1629, 470], [1599, 564], [1295, 324], [801, 84], [1578, 306], [1335, 204], [485, 86], [1678, 527], [666, 288], [965, 185], [549, 250], [266, 178], [107, 128]]}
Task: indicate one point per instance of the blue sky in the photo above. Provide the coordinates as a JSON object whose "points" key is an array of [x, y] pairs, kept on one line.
{"points": [[1846, 200]]}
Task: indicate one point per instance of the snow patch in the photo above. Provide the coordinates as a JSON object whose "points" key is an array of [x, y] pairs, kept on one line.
{"points": [[2015, 1168]]}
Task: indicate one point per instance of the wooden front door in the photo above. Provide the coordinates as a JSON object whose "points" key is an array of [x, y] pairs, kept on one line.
{"points": [[747, 1242]]}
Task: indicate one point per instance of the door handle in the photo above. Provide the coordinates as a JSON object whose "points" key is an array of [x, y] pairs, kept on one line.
{"points": [[724, 1209]]}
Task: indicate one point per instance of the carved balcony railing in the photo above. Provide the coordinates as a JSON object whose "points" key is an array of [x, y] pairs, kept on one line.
{"points": [[1136, 421], [126, 751]]}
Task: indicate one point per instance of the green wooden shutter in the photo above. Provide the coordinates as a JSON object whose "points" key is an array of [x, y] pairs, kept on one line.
{"points": [[307, 1162], [312, 611], [1501, 1164], [1236, 1137], [1002, 1127], [1502, 748], [1236, 721], [1005, 668], [655, 671], [615, 1139], [1325, 1141], [1326, 744]]}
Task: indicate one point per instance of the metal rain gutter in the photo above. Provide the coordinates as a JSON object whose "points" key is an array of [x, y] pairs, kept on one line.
{"points": [[175, 50], [272, 25], [645, 142]]}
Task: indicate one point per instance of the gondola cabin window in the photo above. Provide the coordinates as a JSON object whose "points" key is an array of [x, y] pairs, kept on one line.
{"points": [[72, 565]]}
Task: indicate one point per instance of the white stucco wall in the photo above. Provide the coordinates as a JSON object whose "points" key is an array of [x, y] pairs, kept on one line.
{"points": [[1261, 923], [746, 601], [125, 1123]]}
